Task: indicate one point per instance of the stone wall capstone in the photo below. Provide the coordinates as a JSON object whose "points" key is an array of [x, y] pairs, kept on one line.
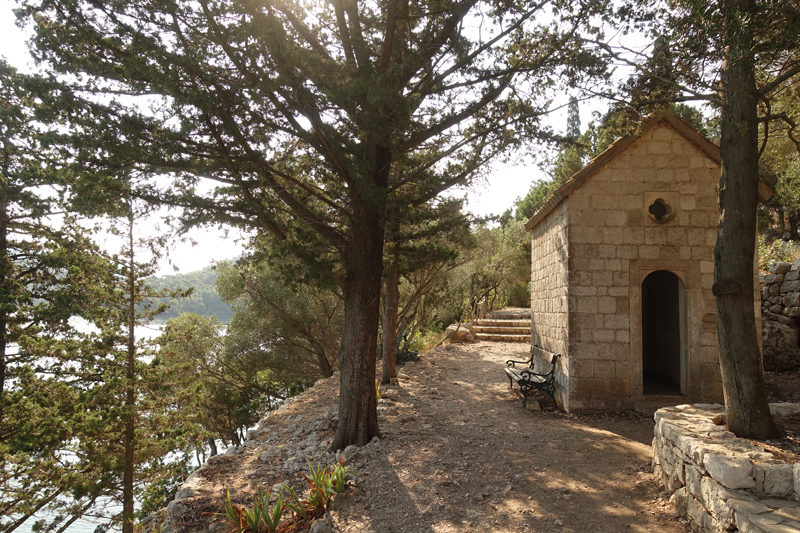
{"points": [[720, 482]]}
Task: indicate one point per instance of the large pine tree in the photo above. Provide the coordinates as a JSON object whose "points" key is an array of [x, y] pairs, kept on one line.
{"points": [[299, 112]]}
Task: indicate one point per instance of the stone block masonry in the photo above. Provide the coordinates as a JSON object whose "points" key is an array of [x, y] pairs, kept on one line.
{"points": [[780, 307], [720, 482], [645, 205], [549, 279], [614, 245]]}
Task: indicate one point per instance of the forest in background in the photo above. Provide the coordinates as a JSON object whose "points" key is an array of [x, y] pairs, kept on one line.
{"points": [[203, 300]]}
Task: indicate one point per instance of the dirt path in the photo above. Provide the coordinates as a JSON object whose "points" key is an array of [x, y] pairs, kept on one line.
{"points": [[460, 454]]}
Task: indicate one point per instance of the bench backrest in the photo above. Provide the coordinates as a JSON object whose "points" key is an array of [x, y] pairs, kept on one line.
{"points": [[536, 350]]}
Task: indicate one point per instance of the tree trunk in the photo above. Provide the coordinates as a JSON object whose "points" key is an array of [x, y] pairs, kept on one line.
{"points": [[323, 363], [5, 298], [781, 222], [358, 416], [793, 225], [363, 263], [130, 393], [748, 414], [391, 304]]}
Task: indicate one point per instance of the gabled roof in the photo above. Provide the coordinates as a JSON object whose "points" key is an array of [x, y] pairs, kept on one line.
{"points": [[708, 148]]}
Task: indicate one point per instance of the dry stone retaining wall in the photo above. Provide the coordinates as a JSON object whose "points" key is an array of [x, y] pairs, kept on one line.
{"points": [[780, 307], [720, 482]]}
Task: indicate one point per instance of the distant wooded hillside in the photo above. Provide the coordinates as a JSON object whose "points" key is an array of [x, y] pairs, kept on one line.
{"points": [[203, 301]]}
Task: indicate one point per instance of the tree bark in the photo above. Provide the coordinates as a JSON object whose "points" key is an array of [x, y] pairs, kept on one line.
{"points": [[363, 263], [5, 272], [391, 304], [748, 414], [793, 225], [130, 393]]}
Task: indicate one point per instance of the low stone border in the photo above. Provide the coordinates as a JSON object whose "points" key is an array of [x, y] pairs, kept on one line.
{"points": [[720, 482]]}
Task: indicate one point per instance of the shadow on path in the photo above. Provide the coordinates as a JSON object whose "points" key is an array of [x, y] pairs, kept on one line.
{"points": [[463, 455]]}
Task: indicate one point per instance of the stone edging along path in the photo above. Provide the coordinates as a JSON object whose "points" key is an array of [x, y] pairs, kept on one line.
{"points": [[721, 482]]}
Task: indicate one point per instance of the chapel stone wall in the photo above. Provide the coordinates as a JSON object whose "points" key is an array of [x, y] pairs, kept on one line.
{"points": [[614, 244], [549, 279]]}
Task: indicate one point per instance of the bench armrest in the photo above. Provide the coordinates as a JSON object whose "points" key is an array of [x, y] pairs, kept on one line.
{"points": [[512, 363], [527, 372]]}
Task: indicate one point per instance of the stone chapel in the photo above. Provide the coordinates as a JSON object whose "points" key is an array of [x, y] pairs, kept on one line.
{"points": [[622, 269]]}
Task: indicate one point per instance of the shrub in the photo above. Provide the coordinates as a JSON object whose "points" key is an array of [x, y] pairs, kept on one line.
{"points": [[777, 250]]}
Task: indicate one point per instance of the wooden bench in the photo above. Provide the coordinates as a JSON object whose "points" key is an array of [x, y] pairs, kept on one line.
{"points": [[530, 381]]}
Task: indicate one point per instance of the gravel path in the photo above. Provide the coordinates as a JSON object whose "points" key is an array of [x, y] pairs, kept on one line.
{"points": [[460, 454]]}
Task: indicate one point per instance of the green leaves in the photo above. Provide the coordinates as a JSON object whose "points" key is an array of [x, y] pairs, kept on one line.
{"points": [[271, 517]]}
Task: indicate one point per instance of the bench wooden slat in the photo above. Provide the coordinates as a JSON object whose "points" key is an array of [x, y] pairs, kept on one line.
{"points": [[522, 375]]}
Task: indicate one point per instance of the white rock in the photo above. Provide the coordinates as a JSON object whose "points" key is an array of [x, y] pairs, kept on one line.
{"points": [[747, 506], [680, 500], [775, 480], [694, 480], [271, 453], [784, 409], [322, 525], [292, 465], [715, 499], [462, 334], [185, 493], [796, 469], [350, 454], [176, 509], [190, 486], [323, 425], [732, 472]]}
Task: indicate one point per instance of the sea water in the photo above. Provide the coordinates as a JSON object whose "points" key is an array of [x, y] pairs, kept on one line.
{"points": [[79, 526]]}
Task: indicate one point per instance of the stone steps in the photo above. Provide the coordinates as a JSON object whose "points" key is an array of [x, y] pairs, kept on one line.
{"points": [[515, 330], [505, 325], [499, 315], [490, 322], [502, 337]]}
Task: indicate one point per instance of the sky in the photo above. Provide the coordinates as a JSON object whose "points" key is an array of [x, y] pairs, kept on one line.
{"points": [[491, 196]]}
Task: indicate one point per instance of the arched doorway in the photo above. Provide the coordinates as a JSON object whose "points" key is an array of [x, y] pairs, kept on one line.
{"points": [[663, 334]]}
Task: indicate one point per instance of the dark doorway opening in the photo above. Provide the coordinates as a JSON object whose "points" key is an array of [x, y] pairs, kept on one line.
{"points": [[662, 334]]}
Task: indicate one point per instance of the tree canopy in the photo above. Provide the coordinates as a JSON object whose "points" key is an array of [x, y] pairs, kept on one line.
{"points": [[314, 120]]}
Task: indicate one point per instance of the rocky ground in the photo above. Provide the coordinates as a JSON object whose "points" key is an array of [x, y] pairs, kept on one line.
{"points": [[458, 454], [784, 387]]}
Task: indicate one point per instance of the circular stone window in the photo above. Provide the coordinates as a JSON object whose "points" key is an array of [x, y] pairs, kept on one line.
{"points": [[660, 211]]}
